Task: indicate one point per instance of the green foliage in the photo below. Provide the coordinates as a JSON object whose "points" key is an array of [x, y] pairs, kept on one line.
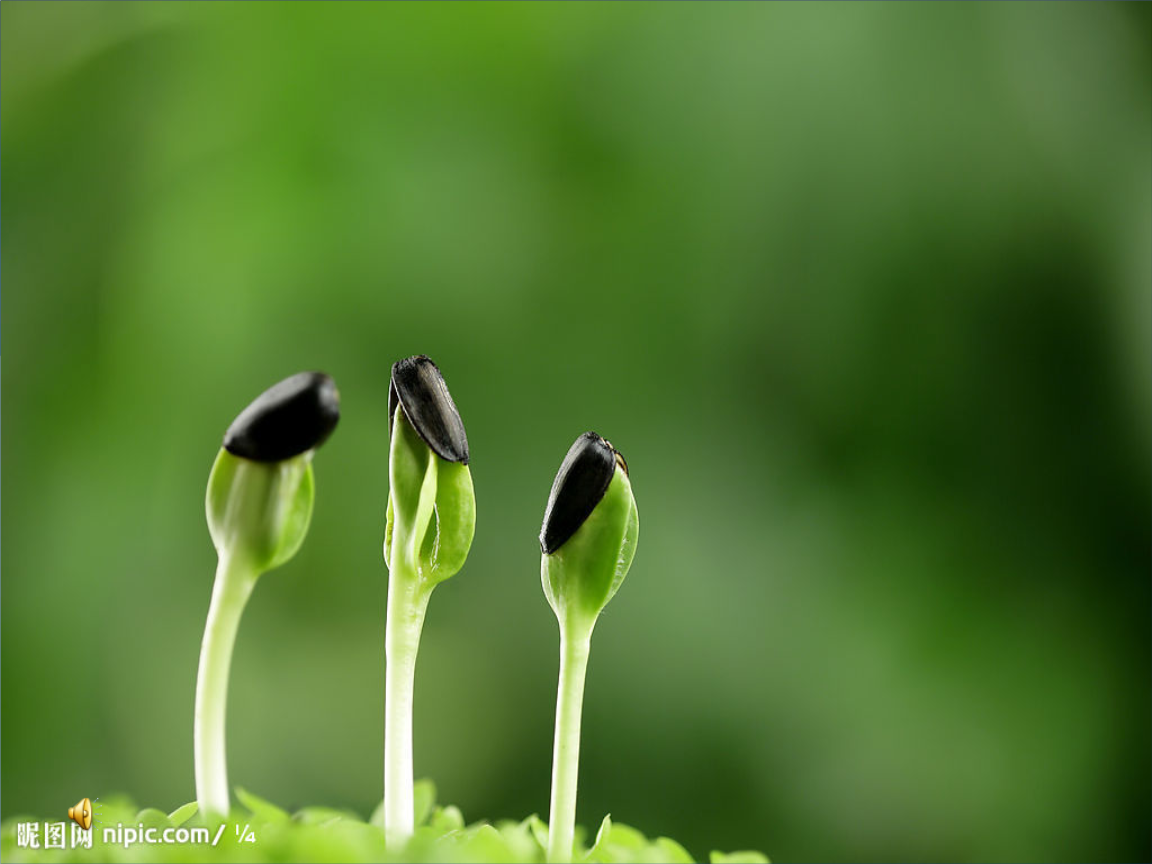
{"points": [[185, 812], [585, 573], [431, 505], [259, 511], [260, 808], [326, 834]]}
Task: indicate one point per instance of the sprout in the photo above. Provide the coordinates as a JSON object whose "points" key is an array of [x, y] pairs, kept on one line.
{"points": [[431, 519], [588, 539], [259, 504]]}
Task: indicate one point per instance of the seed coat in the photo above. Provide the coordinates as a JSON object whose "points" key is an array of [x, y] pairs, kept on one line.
{"points": [[289, 418], [579, 486], [418, 387]]}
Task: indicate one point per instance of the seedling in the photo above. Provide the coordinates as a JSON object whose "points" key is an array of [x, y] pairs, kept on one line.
{"points": [[431, 519], [588, 539], [259, 504]]}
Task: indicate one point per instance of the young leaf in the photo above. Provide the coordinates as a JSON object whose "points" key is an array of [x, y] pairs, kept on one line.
{"points": [[150, 817], [745, 856], [431, 505], [323, 816], [445, 819], [626, 836], [486, 844], [377, 817], [521, 843], [424, 798], [412, 470], [261, 809], [539, 830], [597, 852], [673, 852], [258, 512], [182, 814], [449, 538]]}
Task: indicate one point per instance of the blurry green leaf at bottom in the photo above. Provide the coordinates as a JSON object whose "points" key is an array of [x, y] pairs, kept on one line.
{"points": [[741, 857], [259, 807], [328, 834]]}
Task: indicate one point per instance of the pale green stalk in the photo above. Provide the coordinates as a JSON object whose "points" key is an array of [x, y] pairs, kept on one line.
{"points": [[574, 645], [407, 603], [234, 584]]}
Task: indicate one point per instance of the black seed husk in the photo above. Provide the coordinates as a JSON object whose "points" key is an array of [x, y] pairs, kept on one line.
{"points": [[581, 482], [418, 387], [289, 418]]}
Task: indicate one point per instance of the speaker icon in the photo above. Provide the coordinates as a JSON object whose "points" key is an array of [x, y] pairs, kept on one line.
{"points": [[81, 814]]}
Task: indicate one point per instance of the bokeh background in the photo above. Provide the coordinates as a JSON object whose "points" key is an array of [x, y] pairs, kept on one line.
{"points": [[861, 291]]}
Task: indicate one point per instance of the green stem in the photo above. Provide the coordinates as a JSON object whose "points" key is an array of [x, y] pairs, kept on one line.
{"points": [[234, 584], [407, 603], [566, 747]]}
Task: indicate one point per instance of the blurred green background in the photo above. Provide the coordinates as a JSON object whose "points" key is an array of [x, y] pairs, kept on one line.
{"points": [[861, 291]]}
